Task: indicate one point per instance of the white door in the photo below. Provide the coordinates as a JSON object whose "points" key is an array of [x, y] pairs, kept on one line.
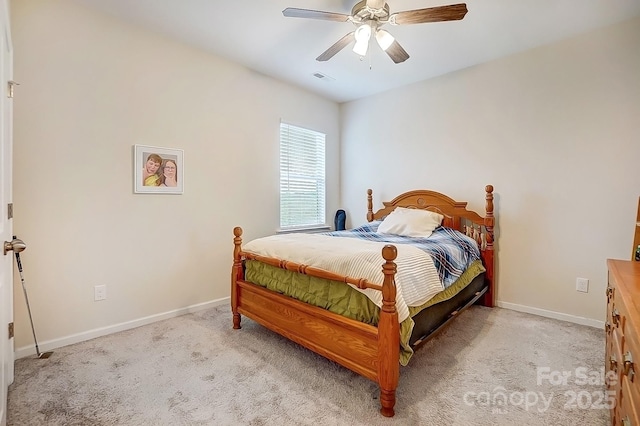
{"points": [[6, 230]]}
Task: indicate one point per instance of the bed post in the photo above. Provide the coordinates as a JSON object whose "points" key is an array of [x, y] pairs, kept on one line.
{"points": [[388, 335], [236, 272], [488, 251], [369, 205]]}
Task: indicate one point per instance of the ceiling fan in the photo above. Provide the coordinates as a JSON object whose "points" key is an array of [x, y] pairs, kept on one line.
{"points": [[369, 16]]}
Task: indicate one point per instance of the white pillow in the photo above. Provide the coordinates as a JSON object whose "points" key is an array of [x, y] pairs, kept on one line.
{"points": [[410, 222]]}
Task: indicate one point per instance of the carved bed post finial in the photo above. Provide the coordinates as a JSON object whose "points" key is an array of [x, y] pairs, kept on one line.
{"points": [[488, 224], [388, 335], [369, 205], [488, 218], [389, 268], [236, 273]]}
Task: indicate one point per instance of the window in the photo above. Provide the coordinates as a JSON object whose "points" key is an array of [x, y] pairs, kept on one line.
{"points": [[302, 177]]}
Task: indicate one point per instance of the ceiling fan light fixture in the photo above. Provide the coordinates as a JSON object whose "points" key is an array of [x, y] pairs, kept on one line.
{"points": [[384, 39], [361, 47], [363, 33], [362, 36]]}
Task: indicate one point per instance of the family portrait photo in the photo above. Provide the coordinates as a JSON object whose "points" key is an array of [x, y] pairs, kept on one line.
{"points": [[158, 170]]}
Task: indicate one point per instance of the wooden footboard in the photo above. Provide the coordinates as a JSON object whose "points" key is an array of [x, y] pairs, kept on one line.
{"points": [[372, 352]]}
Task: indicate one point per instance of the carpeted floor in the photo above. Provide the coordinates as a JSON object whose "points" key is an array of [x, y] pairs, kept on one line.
{"points": [[489, 367]]}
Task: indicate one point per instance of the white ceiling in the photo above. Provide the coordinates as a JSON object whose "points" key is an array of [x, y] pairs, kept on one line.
{"points": [[256, 34]]}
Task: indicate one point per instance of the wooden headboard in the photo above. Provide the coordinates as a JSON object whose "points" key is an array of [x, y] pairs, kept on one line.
{"points": [[456, 216]]}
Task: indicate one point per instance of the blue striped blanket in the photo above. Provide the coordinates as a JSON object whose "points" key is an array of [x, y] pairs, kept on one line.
{"points": [[452, 251]]}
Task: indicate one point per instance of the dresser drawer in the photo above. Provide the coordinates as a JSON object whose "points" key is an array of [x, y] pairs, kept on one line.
{"points": [[615, 361], [628, 412], [610, 294], [613, 367], [630, 368], [618, 317], [611, 287]]}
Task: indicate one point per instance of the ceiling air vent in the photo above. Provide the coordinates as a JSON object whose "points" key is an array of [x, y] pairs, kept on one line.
{"points": [[324, 77]]}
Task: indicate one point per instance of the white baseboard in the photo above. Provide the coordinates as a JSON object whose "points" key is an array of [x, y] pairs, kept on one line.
{"points": [[50, 345], [551, 314], [103, 331]]}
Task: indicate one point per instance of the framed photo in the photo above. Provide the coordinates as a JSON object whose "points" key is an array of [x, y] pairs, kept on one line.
{"points": [[158, 170]]}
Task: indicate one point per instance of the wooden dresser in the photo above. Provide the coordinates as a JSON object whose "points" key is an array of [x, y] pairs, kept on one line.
{"points": [[623, 340]]}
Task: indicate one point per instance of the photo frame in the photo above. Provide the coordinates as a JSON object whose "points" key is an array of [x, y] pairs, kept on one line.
{"points": [[158, 170]]}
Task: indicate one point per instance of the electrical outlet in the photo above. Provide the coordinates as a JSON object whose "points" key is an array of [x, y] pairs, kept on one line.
{"points": [[99, 292], [582, 284]]}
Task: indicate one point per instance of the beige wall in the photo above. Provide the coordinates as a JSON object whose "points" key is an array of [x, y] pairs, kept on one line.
{"points": [[91, 88], [555, 130]]}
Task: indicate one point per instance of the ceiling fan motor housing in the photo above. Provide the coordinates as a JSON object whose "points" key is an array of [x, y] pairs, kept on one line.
{"points": [[361, 13]]}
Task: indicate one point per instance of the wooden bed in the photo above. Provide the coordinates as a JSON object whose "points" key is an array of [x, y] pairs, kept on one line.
{"points": [[370, 351]]}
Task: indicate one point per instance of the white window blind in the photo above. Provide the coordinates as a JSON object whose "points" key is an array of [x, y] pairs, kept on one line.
{"points": [[302, 177]]}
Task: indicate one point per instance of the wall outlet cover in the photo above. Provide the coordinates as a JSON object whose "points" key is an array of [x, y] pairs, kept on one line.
{"points": [[582, 284]]}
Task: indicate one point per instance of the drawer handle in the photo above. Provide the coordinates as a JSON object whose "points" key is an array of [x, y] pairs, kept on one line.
{"points": [[626, 421], [613, 363], [628, 365], [615, 317]]}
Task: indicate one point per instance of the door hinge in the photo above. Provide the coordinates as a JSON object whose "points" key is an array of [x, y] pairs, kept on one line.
{"points": [[10, 86], [10, 330], [10, 211]]}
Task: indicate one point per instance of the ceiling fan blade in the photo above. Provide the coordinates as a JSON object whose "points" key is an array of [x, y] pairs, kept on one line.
{"points": [[375, 4], [292, 12], [337, 46], [397, 53], [452, 12]]}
